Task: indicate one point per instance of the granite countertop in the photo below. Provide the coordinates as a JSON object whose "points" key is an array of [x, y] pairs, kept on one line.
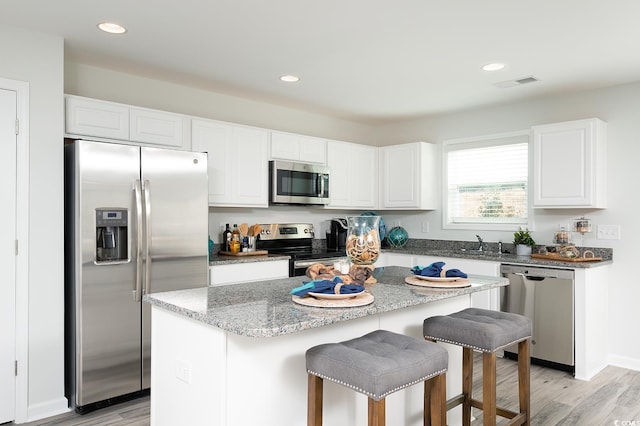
{"points": [[265, 309], [494, 256]]}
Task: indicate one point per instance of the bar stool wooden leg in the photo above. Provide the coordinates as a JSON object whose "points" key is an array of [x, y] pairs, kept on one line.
{"points": [[524, 380], [467, 384], [377, 412], [489, 388], [314, 400], [435, 401]]}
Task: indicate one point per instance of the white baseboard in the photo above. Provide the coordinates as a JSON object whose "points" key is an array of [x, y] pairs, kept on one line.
{"points": [[48, 409], [624, 362]]}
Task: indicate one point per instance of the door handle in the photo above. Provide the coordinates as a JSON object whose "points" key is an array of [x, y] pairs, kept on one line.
{"points": [[147, 212], [137, 292]]}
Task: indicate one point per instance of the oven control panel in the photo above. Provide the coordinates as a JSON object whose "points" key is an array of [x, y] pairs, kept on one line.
{"points": [[286, 231]]}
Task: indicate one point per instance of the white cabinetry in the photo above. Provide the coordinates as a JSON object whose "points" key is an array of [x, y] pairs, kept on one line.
{"points": [[569, 164], [407, 176], [489, 299], [234, 273], [99, 119], [353, 182], [238, 162], [306, 149]]}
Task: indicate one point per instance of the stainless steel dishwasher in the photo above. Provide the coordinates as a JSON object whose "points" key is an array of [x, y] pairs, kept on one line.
{"points": [[546, 296]]}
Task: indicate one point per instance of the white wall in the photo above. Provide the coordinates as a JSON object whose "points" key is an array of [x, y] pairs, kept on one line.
{"points": [[619, 106], [100, 83], [38, 60]]}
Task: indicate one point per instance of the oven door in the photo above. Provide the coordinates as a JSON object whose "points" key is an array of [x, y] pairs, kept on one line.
{"points": [[299, 267], [298, 183]]}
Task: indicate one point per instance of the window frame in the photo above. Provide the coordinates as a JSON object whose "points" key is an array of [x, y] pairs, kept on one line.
{"points": [[480, 142]]}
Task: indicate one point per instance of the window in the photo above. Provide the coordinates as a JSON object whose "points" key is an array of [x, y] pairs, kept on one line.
{"points": [[486, 182]]}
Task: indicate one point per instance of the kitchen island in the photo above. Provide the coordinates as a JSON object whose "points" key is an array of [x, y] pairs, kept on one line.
{"points": [[234, 355]]}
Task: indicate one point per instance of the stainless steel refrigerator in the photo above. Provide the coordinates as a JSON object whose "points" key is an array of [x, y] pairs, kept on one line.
{"points": [[136, 222]]}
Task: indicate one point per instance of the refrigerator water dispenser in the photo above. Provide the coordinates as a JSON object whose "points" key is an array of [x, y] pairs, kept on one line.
{"points": [[111, 235]]}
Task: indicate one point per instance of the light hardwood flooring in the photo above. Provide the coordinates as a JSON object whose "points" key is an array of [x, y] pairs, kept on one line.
{"points": [[556, 399]]}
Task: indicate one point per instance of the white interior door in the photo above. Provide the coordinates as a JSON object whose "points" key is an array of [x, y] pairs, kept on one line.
{"points": [[8, 114]]}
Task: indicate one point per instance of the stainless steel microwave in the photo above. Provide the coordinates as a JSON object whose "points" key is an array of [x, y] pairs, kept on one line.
{"points": [[298, 183]]}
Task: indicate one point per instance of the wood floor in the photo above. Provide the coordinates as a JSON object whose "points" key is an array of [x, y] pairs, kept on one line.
{"points": [[556, 399]]}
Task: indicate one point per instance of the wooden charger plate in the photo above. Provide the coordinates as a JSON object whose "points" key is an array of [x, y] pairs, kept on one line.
{"points": [[361, 299], [420, 282]]}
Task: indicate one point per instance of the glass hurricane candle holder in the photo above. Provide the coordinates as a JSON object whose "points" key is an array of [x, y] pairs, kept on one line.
{"points": [[363, 239]]}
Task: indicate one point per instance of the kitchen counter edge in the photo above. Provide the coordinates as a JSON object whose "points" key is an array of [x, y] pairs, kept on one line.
{"points": [[496, 257], [230, 260]]}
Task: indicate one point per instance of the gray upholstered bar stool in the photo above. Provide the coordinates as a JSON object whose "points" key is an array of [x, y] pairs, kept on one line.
{"points": [[485, 331], [378, 364]]}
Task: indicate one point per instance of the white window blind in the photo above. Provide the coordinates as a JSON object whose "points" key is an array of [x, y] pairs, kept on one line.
{"points": [[487, 182]]}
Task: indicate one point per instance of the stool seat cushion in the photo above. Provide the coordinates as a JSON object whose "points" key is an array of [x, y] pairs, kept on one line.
{"points": [[478, 329], [377, 364]]}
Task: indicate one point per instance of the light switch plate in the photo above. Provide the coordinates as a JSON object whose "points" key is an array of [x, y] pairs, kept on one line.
{"points": [[608, 232]]}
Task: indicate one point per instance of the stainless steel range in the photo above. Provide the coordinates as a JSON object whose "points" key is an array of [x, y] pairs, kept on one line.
{"points": [[296, 240]]}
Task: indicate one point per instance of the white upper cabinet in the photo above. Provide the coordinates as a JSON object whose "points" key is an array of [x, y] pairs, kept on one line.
{"points": [[353, 181], [305, 149], [237, 163], [99, 119], [157, 127], [407, 176], [91, 117], [570, 164]]}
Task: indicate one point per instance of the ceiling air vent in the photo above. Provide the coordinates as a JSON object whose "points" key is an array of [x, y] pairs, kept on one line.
{"points": [[516, 82]]}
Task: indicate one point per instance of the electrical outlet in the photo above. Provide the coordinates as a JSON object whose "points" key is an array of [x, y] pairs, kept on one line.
{"points": [[608, 232], [183, 371], [425, 226]]}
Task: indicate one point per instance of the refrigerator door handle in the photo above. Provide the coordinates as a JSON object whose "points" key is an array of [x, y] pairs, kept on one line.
{"points": [[137, 292], [147, 212]]}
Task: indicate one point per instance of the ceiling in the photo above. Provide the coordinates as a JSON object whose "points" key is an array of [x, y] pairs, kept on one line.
{"points": [[371, 61]]}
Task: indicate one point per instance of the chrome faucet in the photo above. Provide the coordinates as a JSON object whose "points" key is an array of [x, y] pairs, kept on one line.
{"points": [[480, 241]]}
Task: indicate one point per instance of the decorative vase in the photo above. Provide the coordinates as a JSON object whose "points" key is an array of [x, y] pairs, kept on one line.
{"points": [[397, 237], [522, 250], [363, 239]]}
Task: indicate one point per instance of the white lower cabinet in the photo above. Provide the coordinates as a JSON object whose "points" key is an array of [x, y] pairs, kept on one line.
{"points": [[489, 299], [235, 273], [354, 175], [237, 164]]}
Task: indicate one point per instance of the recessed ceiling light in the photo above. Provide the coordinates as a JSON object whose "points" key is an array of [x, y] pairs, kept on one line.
{"points": [[110, 27], [290, 78], [496, 66]]}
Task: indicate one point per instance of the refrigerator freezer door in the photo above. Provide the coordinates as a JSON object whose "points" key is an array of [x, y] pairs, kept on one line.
{"points": [[175, 188], [107, 331]]}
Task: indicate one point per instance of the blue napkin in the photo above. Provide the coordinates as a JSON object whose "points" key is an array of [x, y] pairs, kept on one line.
{"points": [[435, 269], [326, 286]]}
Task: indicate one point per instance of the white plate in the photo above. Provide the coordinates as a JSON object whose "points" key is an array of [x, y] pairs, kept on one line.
{"points": [[436, 279], [335, 296]]}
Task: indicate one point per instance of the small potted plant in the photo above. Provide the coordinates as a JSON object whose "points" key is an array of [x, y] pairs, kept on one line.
{"points": [[523, 242]]}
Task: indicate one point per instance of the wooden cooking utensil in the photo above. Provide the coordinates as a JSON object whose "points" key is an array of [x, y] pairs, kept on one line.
{"points": [[244, 229], [256, 230]]}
